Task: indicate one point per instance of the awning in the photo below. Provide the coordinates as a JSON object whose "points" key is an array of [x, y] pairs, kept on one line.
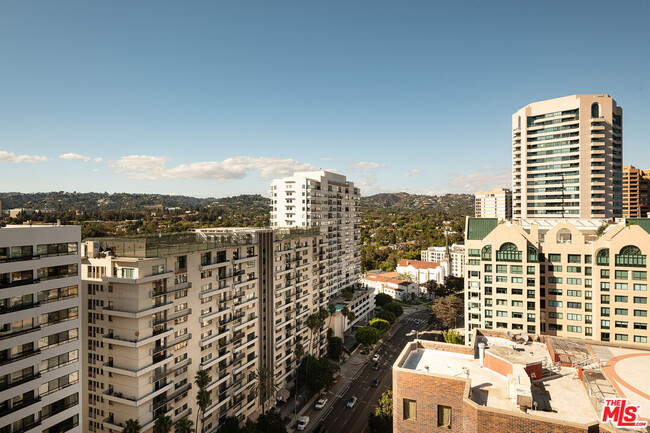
{"points": [[283, 394]]}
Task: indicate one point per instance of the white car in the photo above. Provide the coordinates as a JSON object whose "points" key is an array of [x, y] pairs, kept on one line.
{"points": [[302, 423], [412, 332], [352, 402], [375, 357], [320, 404]]}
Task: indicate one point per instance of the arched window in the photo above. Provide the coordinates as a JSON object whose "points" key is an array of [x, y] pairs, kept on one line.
{"points": [[595, 110], [533, 256], [486, 252], [630, 256], [509, 253], [602, 257], [564, 236]]}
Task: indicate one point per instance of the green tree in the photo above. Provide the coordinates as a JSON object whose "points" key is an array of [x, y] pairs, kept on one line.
{"points": [[381, 421], [331, 309], [163, 424], [387, 315], [334, 348], [454, 284], [265, 385], [202, 378], [453, 337], [394, 308], [382, 299], [447, 310], [184, 425], [132, 426], [367, 335], [230, 425], [381, 324], [271, 422], [203, 400], [314, 322], [318, 373]]}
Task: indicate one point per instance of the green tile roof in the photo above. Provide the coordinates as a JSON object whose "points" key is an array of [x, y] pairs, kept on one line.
{"points": [[479, 228], [644, 223]]}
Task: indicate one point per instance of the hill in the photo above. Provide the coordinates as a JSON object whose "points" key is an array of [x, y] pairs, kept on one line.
{"points": [[462, 204]]}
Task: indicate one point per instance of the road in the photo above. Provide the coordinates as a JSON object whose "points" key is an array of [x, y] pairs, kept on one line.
{"points": [[337, 417]]}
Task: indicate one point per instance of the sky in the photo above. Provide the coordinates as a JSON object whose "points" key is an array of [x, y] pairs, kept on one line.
{"points": [[215, 98]]}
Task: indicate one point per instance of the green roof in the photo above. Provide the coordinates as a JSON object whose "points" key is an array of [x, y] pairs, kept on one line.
{"points": [[479, 228], [644, 223]]}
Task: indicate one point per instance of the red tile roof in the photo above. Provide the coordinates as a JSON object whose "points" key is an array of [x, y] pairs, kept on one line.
{"points": [[418, 264]]}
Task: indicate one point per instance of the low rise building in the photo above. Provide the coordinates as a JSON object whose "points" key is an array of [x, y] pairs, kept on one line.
{"points": [[362, 307], [421, 271], [389, 283]]}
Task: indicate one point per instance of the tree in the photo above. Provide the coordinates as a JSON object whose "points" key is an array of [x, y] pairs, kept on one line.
{"points": [[314, 322], [202, 379], [331, 309], [381, 421], [431, 287], [387, 316], [446, 310], [265, 385], [184, 425], [318, 373], [334, 348], [382, 299], [163, 424], [300, 353], [230, 425], [454, 284], [367, 335], [453, 337], [351, 316], [381, 324], [132, 426], [394, 308], [271, 422]]}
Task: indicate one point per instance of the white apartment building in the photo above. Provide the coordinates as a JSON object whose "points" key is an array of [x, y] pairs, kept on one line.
{"points": [[362, 305], [390, 284], [329, 201], [493, 204], [455, 255], [40, 369], [421, 272], [567, 158]]}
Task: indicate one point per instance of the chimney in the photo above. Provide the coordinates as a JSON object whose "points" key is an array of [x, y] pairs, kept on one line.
{"points": [[481, 353]]}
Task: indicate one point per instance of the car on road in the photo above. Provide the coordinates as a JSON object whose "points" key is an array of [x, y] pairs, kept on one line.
{"points": [[375, 357], [320, 428], [375, 383], [352, 402], [302, 423], [320, 404], [375, 366], [411, 333]]}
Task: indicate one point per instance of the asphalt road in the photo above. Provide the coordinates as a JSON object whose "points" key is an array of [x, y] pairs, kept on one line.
{"points": [[337, 417]]}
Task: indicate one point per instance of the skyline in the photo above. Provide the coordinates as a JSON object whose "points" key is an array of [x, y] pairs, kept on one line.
{"points": [[217, 99]]}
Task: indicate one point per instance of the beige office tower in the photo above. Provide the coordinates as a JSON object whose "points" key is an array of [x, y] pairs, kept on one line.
{"points": [[572, 278], [636, 192], [493, 204], [329, 201], [567, 158], [221, 300]]}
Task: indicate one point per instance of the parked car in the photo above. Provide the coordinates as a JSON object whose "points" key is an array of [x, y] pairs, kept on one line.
{"points": [[352, 402], [375, 366], [375, 357], [320, 428], [302, 422], [375, 383], [320, 404], [412, 332]]}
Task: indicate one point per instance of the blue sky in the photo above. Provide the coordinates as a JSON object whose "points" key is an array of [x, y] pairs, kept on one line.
{"points": [[212, 98]]}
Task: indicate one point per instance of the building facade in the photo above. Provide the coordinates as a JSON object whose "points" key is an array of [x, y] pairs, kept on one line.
{"points": [[493, 204], [421, 272], [40, 367], [389, 283], [455, 256], [567, 158], [581, 279], [636, 192], [332, 203]]}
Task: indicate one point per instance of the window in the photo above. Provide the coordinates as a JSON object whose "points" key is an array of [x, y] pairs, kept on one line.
{"points": [[530, 270], [619, 298], [555, 292], [564, 236], [502, 279], [640, 313], [555, 304], [517, 280], [574, 281], [620, 286], [517, 303], [502, 269], [502, 313], [604, 286], [641, 326], [574, 258], [555, 280], [630, 256], [488, 268], [602, 257], [486, 252], [473, 252], [639, 275], [572, 328], [508, 253], [554, 258], [554, 327], [640, 300], [604, 324], [554, 268], [554, 315], [410, 409], [573, 269], [620, 311], [533, 256], [620, 324], [621, 275], [604, 299], [604, 273], [621, 337], [444, 416], [516, 269], [517, 291], [595, 110], [574, 316], [574, 292], [574, 304], [604, 311], [502, 302], [640, 339]]}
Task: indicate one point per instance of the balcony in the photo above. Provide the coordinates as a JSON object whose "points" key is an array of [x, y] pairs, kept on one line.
{"points": [[110, 367], [145, 279], [206, 266], [135, 342], [245, 365], [118, 397], [117, 312]]}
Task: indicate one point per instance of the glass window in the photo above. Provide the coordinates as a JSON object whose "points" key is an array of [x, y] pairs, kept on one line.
{"points": [[444, 416], [410, 409]]}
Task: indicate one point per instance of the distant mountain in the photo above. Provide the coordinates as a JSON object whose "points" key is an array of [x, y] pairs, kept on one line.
{"points": [[453, 203]]}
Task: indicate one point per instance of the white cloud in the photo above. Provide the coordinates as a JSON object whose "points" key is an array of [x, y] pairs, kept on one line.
{"points": [[75, 156], [98, 159], [11, 157], [487, 178], [368, 165], [367, 180], [328, 159], [95, 170], [145, 167], [413, 172]]}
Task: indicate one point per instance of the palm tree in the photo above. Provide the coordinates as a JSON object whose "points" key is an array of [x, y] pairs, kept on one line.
{"points": [[132, 426], [351, 317], [300, 352], [203, 400], [265, 385], [331, 309], [184, 425], [314, 322], [163, 424], [202, 378]]}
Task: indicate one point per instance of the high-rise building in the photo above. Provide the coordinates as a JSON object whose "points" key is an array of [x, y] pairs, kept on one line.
{"points": [[493, 204], [567, 158], [636, 192], [332, 203], [40, 367], [572, 278], [227, 301], [456, 255]]}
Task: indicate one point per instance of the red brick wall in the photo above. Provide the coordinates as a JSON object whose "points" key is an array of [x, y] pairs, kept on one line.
{"points": [[498, 365]]}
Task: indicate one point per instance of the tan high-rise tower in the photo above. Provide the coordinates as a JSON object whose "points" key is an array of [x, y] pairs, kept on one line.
{"points": [[567, 158], [636, 192]]}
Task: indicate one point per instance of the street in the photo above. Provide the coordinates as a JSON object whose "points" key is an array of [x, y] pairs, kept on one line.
{"points": [[337, 417]]}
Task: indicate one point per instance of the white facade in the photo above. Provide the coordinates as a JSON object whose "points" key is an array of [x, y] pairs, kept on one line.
{"points": [[40, 366], [390, 284], [329, 201], [362, 305], [456, 257], [494, 204], [422, 272]]}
